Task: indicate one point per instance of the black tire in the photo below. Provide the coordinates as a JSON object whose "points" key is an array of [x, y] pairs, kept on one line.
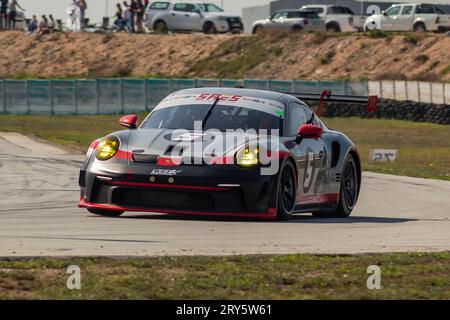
{"points": [[297, 28], [420, 27], [257, 30], [106, 213], [286, 191], [160, 27], [333, 27], [209, 28], [348, 195]]}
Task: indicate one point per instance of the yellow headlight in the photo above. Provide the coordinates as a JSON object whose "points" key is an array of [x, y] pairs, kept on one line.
{"points": [[247, 157], [107, 148]]}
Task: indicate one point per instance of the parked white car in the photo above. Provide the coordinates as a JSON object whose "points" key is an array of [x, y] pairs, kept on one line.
{"points": [[409, 17], [337, 18], [187, 16], [295, 20]]}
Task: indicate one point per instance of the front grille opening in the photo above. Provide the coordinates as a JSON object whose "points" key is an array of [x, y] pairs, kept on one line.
{"points": [[154, 199]]}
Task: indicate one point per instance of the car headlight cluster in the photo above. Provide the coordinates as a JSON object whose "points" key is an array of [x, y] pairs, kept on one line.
{"points": [[107, 148], [247, 157]]}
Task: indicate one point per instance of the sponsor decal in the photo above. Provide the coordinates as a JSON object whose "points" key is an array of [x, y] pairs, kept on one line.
{"points": [[165, 172]]}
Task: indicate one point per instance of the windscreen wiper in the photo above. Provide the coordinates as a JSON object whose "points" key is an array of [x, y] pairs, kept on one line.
{"points": [[208, 114]]}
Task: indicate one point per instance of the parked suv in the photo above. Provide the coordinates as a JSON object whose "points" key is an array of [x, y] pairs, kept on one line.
{"points": [[409, 17], [295, 20], [337, 18], [187, 16]]}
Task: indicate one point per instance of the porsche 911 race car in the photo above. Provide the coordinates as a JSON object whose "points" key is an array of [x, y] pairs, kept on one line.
{"points": [[225, 152]]}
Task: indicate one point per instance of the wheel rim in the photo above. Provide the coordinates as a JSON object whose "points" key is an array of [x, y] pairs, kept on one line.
{"points": [[350, 185], [287, 189]]}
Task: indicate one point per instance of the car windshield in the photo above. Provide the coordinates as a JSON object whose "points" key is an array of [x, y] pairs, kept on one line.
{"points": [[222, 117], [209, 7]]}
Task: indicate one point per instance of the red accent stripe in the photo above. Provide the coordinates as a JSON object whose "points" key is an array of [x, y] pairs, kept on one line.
{"points": [[168, 162], [270, 214], [123, 155], [170, 186]]}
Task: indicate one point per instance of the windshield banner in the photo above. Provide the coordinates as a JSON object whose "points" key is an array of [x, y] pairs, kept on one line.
{"points": [[264, 105]]}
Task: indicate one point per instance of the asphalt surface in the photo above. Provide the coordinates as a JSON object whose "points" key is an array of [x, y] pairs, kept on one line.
{"points": [[39, 217]]}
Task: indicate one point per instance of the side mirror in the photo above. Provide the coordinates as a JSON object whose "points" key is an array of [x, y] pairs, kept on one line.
{"points": [[129, 121], [198, 11], [308, 131], [384, 13]]}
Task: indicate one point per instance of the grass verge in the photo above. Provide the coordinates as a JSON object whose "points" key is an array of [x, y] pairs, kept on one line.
{"points": [[424, 148], [403, 276]]}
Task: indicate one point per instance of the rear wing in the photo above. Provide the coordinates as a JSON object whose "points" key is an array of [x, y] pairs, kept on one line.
{"points": [[326, 96]]}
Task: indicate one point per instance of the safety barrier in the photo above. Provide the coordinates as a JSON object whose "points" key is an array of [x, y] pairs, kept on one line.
{"points": [[119, 96]]}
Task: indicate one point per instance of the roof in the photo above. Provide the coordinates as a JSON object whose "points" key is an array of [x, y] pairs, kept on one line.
{"points": [[263, 94]]}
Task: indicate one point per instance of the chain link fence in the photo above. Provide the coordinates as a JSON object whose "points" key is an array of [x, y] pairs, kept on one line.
{"points": [[120, 96]]}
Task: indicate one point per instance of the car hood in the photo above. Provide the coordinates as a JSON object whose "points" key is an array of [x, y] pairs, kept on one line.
{"points": [[169, 142], [262, 21]]}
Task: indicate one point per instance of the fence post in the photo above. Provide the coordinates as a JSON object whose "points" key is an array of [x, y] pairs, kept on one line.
{"points": [[27, 91], [444, 97], [394, 87], [121, 96], [406, 90], [418, 91], [381, 88], [97, 96], [146, 94], [75, 90], [52, 110], [431, 92]]}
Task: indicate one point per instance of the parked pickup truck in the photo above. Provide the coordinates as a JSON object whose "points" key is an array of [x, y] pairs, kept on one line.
{"points": [[409, 17], [337, 18], [188, 16], [291, 19]]}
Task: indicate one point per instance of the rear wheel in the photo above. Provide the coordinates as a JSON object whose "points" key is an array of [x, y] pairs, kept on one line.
{"points": [[209, 28], [160, 27], [106, 213], [420, 27], [286, 191], [333, 27], [297, 28], [348, 194]]}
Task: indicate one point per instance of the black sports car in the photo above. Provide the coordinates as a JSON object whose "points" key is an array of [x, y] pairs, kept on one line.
{"points": [[224, 152]]}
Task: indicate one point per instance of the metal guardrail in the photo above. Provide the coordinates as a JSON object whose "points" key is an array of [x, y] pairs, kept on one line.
{"points": [[126, 95]]}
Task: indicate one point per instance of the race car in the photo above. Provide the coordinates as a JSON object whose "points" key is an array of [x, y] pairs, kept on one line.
{"points": [[232, 152]]}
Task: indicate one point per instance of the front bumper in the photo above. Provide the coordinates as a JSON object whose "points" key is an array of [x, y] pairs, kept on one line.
{"points": [[217, 191]]}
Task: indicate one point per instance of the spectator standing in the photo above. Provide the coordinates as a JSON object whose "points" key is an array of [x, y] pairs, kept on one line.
{"points": [[51, 23], [43, 26], [13, 5], [140, 10], [127, 16], [82, 4], [32, 25], [3, 14], [133, 9], [119, 18], [146, 3]]}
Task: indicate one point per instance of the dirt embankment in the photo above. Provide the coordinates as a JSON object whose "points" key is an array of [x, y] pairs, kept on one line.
{"points": [[271, 56]]}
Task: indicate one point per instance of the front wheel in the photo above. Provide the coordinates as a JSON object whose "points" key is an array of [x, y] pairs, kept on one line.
{"points": [[106, 213], [209, 28], [348, 194], [420, 27], [286, 191]]}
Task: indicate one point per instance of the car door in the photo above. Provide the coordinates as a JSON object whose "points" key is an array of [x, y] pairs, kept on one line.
{"points": [[404, 21], [277, 21], [180, 16], [309, 154], [389, 18]]}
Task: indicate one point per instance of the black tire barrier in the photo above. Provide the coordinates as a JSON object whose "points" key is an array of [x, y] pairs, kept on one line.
{"points": [[391, 109]]}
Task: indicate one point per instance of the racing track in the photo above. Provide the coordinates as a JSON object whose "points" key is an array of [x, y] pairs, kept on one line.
{"points": [[39, 216]]}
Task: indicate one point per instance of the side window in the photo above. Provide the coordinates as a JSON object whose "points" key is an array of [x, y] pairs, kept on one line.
{"points": [[407, 10], [297, 117], [393, 11], [280, 15], [185, 7], [338, 10], [159, 5], [425, 9]]}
